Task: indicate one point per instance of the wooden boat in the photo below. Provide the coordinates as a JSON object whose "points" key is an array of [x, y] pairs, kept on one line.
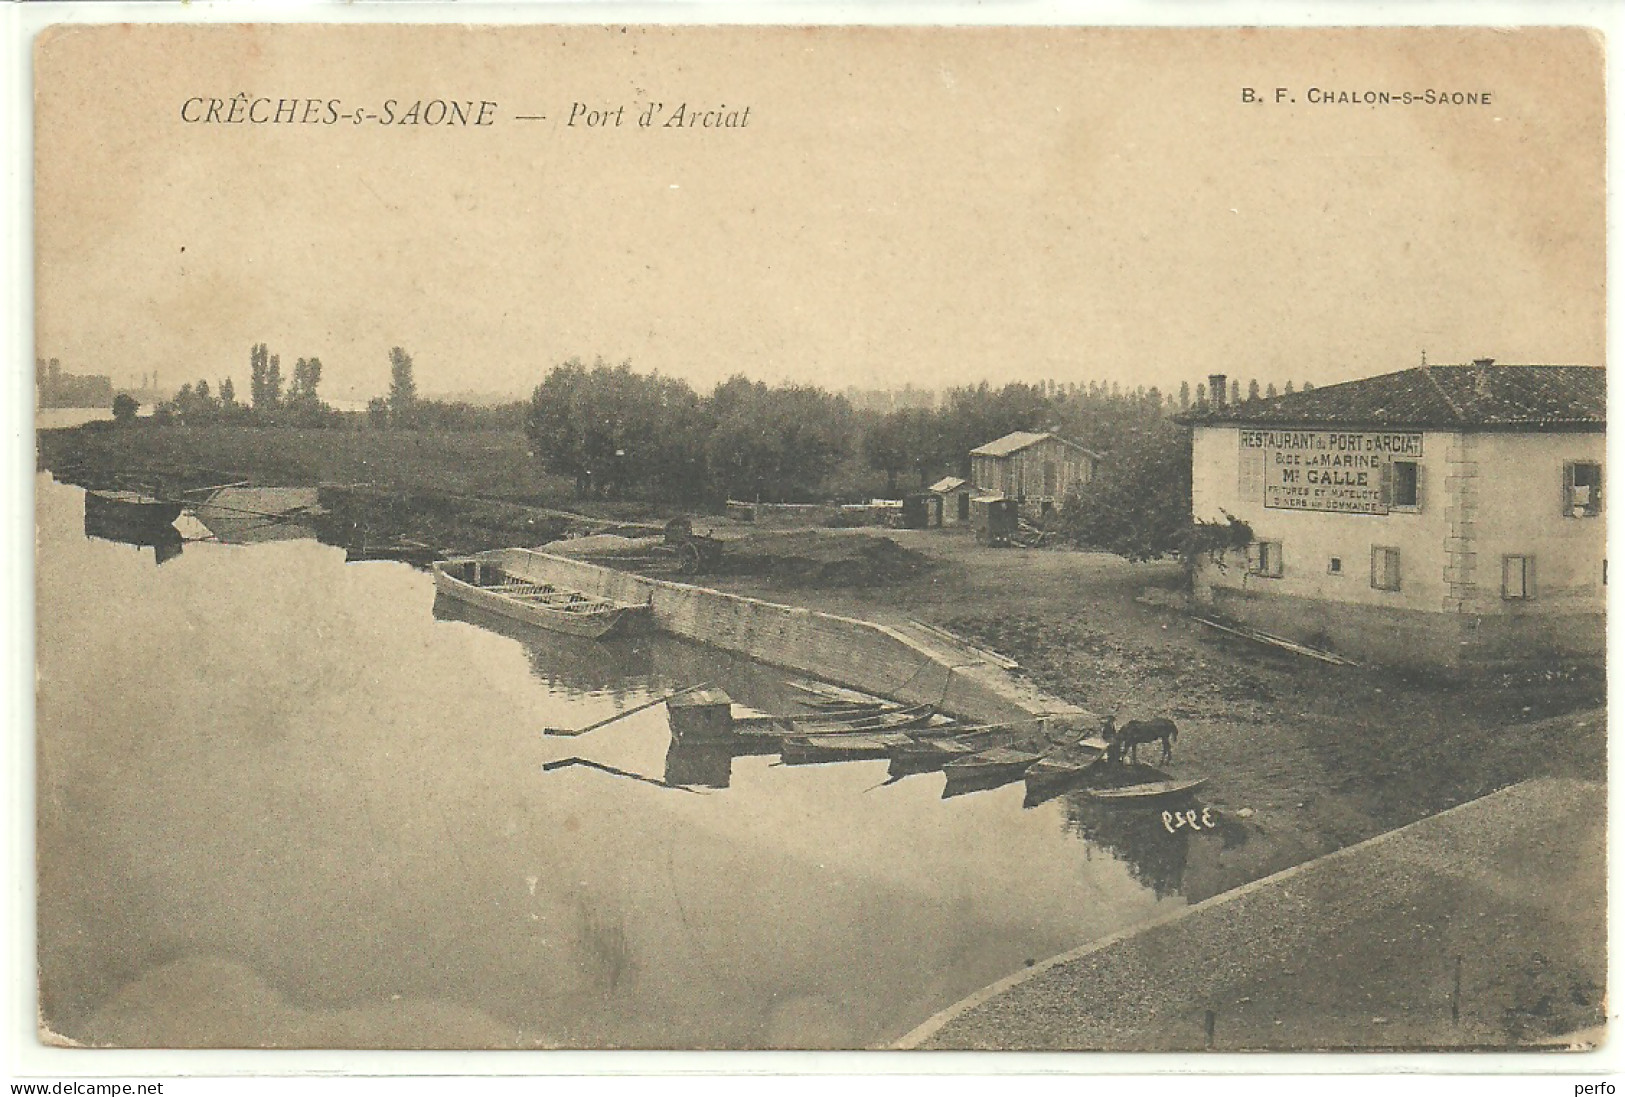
{"points": [[129, 508], [500, 582], [959, 743], [992, 762], [849, 708], [821, 692], [1064, 764], [1150, 790], [915, 716], [813, 749]]}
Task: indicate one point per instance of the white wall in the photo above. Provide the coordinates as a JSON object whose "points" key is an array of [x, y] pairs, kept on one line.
{"points": [[1309, 539], [1520, 512]]}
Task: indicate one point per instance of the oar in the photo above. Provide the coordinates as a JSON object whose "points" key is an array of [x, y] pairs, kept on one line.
{"points": [[624, 715]]}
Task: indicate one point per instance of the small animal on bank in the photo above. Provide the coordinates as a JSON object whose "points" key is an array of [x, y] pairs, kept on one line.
{"points": [[1135, 732]]}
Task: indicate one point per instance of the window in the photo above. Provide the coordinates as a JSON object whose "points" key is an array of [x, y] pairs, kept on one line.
{"points": [[1517, 577], [1336, 566], [1384, 568], [1582, 489], [1264, 558], [1401, 484], [1407, 482]]}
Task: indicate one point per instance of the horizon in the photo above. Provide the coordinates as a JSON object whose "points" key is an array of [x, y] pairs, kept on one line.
{"points": [[493, 397]]}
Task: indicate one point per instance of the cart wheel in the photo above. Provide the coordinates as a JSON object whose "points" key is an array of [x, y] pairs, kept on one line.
{"points": [[688, 559]]}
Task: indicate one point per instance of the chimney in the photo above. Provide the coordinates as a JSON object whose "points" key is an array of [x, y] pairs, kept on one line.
{"points": [[1481, 375], [1216, 389]]}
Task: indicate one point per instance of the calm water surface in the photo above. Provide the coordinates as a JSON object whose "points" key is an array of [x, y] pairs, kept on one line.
{"points": [[288, 800]]}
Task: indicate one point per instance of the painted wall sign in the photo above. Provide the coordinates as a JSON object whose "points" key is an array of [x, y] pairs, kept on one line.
{"points": [[1345, 472]]}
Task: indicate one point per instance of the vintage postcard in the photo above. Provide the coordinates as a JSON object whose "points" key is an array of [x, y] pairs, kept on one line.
{"points": [[818, 537]]}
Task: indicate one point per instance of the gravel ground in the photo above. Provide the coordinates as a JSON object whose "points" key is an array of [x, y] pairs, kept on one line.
{"points": [[1301, 758], [1483, 928]]}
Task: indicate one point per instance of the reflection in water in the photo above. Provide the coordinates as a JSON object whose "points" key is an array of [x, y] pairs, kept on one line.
{"points": [[243, 515], [622, 667], [691, 762], [1135, 835], [164, 540]]}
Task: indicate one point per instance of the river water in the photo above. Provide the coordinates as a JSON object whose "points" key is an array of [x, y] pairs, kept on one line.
{"points": [[285, 800]]}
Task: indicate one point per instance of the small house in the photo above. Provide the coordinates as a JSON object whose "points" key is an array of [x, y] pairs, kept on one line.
{"points": [[955, 493], [1036, 469]]}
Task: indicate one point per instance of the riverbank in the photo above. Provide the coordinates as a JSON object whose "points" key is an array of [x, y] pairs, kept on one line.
{"points": [[1301, 757], [1460, 931]]}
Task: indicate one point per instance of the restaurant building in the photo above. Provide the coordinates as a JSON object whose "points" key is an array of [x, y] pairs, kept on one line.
{"points": [[1446, 516]]}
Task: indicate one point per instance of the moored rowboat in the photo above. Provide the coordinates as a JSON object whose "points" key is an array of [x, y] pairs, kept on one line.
{"points": [[501, 582], [1064, 764], [1150, 790], [812, 749], [992, 762], [129, 508]]}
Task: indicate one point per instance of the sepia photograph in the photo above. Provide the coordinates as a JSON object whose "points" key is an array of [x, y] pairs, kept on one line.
{"points": [[852, 538]]}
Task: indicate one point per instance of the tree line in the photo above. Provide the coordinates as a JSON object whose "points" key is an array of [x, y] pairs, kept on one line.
{"points": [[296, 402], [618, 433]]}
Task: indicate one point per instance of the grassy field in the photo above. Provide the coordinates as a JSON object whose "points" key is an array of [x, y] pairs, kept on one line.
{"points": [[491, 463]]}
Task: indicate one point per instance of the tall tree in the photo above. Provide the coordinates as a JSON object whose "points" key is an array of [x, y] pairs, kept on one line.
{"points": [[403, 389], [1252, 389], [257, 359], [307, 374], [273, 382]]}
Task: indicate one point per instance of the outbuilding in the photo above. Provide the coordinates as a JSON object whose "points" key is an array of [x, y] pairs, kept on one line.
{"points": [[1442, 516], [955, 493], [1036, 469]]}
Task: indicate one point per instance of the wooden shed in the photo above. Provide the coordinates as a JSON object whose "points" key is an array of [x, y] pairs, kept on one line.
{"points": [[955, 494], [1036, 469]]}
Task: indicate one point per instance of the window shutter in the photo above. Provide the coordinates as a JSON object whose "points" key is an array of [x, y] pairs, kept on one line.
{"points": [[1250, 481], [1528, 576], [1386, 481], [1568, 489]]}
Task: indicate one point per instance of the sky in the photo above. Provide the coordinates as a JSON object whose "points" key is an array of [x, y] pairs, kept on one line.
{"points": [[922, 206]]}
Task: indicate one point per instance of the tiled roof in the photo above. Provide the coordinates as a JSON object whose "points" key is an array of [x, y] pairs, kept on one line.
{"points": [[1482, 395], [1016, 441]]}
